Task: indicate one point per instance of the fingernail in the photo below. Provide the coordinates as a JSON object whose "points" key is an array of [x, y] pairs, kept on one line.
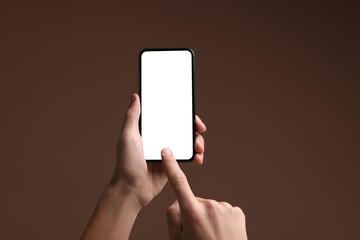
{"points": [[132, 99], [166, 151]]}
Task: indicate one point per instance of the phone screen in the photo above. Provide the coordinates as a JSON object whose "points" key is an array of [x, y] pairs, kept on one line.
{"points": [[167, 102]]}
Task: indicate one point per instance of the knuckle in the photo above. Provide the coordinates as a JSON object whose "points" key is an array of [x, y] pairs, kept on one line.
{"points": [[226, 205], [129, 114], [201, 139], [174, 206], [170, 211], [127, 138], [211, 204], [239, 212], [194, 214]]}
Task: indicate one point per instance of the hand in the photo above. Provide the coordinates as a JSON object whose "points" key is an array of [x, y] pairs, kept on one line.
{"points": [[190, 217], [134, 183], [141, 179]]}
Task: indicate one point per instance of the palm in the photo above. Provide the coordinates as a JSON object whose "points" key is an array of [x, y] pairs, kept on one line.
{"points": [[157, 177], [146, 180]]}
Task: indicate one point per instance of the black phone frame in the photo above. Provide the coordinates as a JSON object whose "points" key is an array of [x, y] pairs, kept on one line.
{"points": [[193, 95]]}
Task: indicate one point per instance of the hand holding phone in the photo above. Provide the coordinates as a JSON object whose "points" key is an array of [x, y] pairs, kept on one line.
{"points": [[135, 182]]}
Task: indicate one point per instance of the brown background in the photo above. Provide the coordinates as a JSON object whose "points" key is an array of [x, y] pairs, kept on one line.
{"points": [[276, 83]]}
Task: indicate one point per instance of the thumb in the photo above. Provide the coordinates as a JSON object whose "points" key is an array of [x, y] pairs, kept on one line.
{"points": [[131, 122]]}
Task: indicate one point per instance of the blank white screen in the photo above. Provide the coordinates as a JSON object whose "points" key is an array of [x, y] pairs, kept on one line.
{"points": [[166, 103]]}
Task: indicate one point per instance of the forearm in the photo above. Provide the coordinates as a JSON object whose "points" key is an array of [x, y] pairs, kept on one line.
{"points": [[114, 215]]}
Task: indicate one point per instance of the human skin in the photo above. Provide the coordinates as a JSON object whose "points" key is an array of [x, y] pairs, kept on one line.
{"points": [[195, 218], [134, 183]]}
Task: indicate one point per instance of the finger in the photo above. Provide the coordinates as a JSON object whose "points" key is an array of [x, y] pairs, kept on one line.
{"points": [[226, 205], [200, 199], [200, 126], [131, 122], [177, 180], [173, 216], [199, 143], [199, 158]]}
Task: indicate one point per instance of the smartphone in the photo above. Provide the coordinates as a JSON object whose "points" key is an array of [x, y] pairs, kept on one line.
{"points": [[167, 97]]}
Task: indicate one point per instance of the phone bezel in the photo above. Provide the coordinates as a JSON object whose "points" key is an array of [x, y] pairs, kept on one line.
{"points": [[193, 95]]}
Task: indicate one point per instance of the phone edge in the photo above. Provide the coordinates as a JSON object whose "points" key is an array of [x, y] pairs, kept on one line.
{"points": [[193, 96]]}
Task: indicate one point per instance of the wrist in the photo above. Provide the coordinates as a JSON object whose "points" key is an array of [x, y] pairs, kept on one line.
{"points": [[122, 196], [136, 189]]}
